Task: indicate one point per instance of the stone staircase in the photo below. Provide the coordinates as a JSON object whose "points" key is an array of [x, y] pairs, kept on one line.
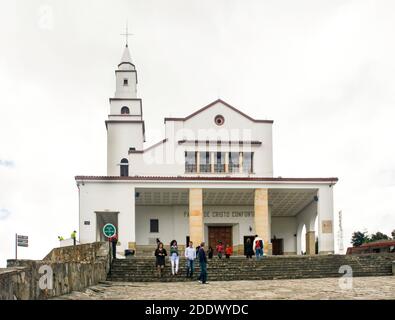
{"points": [[273, 267]]}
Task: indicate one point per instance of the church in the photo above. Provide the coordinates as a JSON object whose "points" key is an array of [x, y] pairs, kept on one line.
{"points": [[209, 179]]}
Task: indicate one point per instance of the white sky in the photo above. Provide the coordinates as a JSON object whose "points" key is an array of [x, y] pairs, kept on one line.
{"points": [[322, 70]]}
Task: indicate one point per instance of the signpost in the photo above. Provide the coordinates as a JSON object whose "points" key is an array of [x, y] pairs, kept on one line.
{"points": [[20, 241]]}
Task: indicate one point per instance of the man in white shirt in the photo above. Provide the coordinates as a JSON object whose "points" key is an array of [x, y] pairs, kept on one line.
{"points": [[258, 246], [190, 254]]}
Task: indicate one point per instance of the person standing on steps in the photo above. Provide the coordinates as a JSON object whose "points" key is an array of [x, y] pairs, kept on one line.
{"points": [[228, 251], [160, 254], [220, 249], [203, 264], [210, 252], [258, 247], [248, 250], [190, 255], [174, 257], [74, 237], [114, 241]]}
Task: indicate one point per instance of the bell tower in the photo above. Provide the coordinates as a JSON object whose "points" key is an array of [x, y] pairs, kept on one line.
{"points": [[125, 125]]}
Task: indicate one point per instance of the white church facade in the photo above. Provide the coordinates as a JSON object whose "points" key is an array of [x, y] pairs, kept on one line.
{"points": [[210, 179]]}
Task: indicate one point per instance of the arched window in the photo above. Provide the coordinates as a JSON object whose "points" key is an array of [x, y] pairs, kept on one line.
{"points": [[124, 167], [125, 110]]}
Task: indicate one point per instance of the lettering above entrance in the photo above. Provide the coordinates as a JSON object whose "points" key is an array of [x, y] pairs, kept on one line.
{"points": [[225, 214]]}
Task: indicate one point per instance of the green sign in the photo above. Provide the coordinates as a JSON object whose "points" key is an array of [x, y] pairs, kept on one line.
{"points": [[109, 230]]}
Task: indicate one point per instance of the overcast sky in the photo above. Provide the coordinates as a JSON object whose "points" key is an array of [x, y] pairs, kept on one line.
{"points": [[322, 70]]}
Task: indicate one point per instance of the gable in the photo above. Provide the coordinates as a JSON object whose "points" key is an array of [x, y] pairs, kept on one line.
{"points": [[214, 105]]}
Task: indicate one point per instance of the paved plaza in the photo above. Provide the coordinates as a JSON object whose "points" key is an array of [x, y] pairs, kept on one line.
{"points": [[327, 288]]}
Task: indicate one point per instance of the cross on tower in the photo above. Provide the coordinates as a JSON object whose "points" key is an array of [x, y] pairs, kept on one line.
{"points": [[127, 34]]}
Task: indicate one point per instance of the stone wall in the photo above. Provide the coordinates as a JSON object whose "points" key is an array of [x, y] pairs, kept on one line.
{"points": [[73, 269]]}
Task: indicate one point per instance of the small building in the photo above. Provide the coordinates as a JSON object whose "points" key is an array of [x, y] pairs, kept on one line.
{"points": [[209, 179], [383, 246]]}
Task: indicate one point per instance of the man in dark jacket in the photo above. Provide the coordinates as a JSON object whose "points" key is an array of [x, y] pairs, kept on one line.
{"points": [[203, 264], [114, 241]]}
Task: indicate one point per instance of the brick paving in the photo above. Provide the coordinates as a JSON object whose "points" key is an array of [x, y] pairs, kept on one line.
{"points": [[323, 288]]}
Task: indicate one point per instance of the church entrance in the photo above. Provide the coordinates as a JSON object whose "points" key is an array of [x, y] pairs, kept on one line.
{"points": [[219, 233]]}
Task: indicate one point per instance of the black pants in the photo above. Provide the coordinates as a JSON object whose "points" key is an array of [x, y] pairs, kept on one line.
{"points": [[114, 249]]}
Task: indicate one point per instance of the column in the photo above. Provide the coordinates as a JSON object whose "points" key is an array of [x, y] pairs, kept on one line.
{"points": [[261, 217], [196, 215], [126, 217], [326, 237], [310, 242]]}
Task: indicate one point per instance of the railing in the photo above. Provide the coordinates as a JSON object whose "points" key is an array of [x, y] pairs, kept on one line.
{"points": [[205, 168], [234, 168], [219, 168], [190, 168]]}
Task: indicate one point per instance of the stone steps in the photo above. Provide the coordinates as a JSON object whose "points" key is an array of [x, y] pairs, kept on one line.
{"points": [[273, 267]]}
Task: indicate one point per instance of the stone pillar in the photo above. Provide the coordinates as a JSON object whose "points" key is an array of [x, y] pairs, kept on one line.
{"points": [[310, 242], [261, 218], [196, 215], [393, 268]]}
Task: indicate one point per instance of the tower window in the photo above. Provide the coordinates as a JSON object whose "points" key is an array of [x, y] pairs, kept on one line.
{"points": [[124, 168], [125, 110], [125, 82]]}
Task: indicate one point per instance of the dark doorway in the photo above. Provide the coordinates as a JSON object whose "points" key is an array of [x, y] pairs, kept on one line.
{"points": [[277, 247], [187, 242], [245, 241], [216, 234]]}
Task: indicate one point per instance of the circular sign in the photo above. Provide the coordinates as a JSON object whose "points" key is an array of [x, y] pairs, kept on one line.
{"points": [[109, 230]]}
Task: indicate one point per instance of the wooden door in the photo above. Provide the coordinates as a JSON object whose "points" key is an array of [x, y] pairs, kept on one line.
{"points": [[277, 247], [216, 234]]}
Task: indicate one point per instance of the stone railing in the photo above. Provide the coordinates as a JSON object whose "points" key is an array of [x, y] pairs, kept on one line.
{"points": [[62, 271]]}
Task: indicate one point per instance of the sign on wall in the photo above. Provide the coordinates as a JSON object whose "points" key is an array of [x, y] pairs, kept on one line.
{"points": [[225, 214], [109, 230], [327, 226]]}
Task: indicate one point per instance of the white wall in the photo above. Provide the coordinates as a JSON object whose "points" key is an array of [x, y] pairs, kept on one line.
{"points": [[111, 197], [168, 158], [120, 137], [285, 228], [134, 106]]}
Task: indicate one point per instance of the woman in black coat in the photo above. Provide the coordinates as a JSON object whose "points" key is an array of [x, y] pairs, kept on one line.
{"points": [[160, 254], [248, 251]]}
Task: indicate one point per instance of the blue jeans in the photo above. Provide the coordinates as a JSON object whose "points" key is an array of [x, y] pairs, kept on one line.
{"points": [[189, 268], [203, 271], [258, 253]]}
